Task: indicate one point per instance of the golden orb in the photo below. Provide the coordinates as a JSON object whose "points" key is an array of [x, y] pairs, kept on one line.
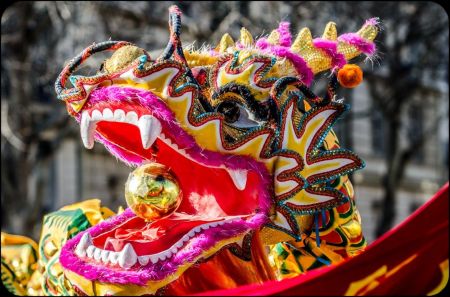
{"points": [[152, 192]]}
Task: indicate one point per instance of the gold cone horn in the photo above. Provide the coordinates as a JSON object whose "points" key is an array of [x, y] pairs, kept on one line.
{"points": [[274, 38], [246, 38], [369, 31], [303, 40], [225, 42], [330, 31]]}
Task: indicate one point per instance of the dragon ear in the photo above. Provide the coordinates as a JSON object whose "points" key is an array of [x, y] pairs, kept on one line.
{"points": [[330, 32], [246, 38], [225, 42], [303, 40]]}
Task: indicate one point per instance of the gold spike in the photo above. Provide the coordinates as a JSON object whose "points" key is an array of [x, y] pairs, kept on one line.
{"points": [[246, 38], [274, 38], [304, 39], [225, 42], [317, 59], [330, 31], [368, 32]]}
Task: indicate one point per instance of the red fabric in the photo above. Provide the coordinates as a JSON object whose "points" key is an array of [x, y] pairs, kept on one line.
{"points": [[404, 261]]}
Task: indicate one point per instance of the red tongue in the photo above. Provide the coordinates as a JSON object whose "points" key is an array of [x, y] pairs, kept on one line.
{"points": [[149, 238]]}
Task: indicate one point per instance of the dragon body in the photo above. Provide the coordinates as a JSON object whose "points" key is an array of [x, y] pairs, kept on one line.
{"points": [[252, 149]]}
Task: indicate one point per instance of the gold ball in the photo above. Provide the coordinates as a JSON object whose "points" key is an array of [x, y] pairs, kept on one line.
{"points": [[123, 57], [152, 192]]}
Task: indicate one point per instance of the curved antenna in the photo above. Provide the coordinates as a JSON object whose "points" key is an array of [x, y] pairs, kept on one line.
{"points": [[174, 47], [79, 59]]}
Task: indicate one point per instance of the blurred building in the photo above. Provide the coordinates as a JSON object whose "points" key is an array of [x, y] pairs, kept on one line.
{"points": [[424, 175]]}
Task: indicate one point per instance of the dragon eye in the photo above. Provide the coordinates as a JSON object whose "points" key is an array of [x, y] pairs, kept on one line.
{"points": [[237, 115], [230, 110]]}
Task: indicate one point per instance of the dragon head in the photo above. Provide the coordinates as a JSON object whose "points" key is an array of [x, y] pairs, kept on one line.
{"points": [[249, 143]]}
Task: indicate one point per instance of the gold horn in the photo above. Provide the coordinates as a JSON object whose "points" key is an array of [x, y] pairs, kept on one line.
{"points": [[225, 42], [246, 38], [274, 38], [303, 40], [369, 31], [330, 32]]}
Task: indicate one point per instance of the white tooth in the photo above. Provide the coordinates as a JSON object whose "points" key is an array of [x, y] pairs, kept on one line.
{"points": [[214, 224], [154, 259], [90, 251], [205, 227], [179, 244], [97, 254], [156, 130], [150, 129], [83, 244], [105, 256], [127, 257], [119, 115], [191, 233], [87, 128], [114, 257], [168, 254], [173, 250], [96, 115], [108, 114], [239, 178], [221, 222], [132, 118], [162, 257], [143, 260]]}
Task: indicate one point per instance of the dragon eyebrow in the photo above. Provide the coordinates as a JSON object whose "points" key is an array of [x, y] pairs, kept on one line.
{"points": [[260, 109]]}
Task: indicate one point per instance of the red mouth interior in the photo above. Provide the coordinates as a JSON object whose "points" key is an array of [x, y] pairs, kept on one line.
{"points": [[209, 194]]}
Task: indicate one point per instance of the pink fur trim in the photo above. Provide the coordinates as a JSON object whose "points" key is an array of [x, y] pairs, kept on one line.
{"points": [[330, 48], [372, 22], [161, 269], [285, 34]]}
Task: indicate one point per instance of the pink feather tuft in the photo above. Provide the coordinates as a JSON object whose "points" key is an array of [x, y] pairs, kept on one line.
{"points": [[285, 34]]}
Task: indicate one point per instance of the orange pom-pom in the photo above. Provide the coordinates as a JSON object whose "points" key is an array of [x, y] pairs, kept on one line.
{"points": [[350, 76]]}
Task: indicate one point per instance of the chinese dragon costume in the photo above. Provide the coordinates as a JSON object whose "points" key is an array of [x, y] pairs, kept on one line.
{"points": [[239, 177]]}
